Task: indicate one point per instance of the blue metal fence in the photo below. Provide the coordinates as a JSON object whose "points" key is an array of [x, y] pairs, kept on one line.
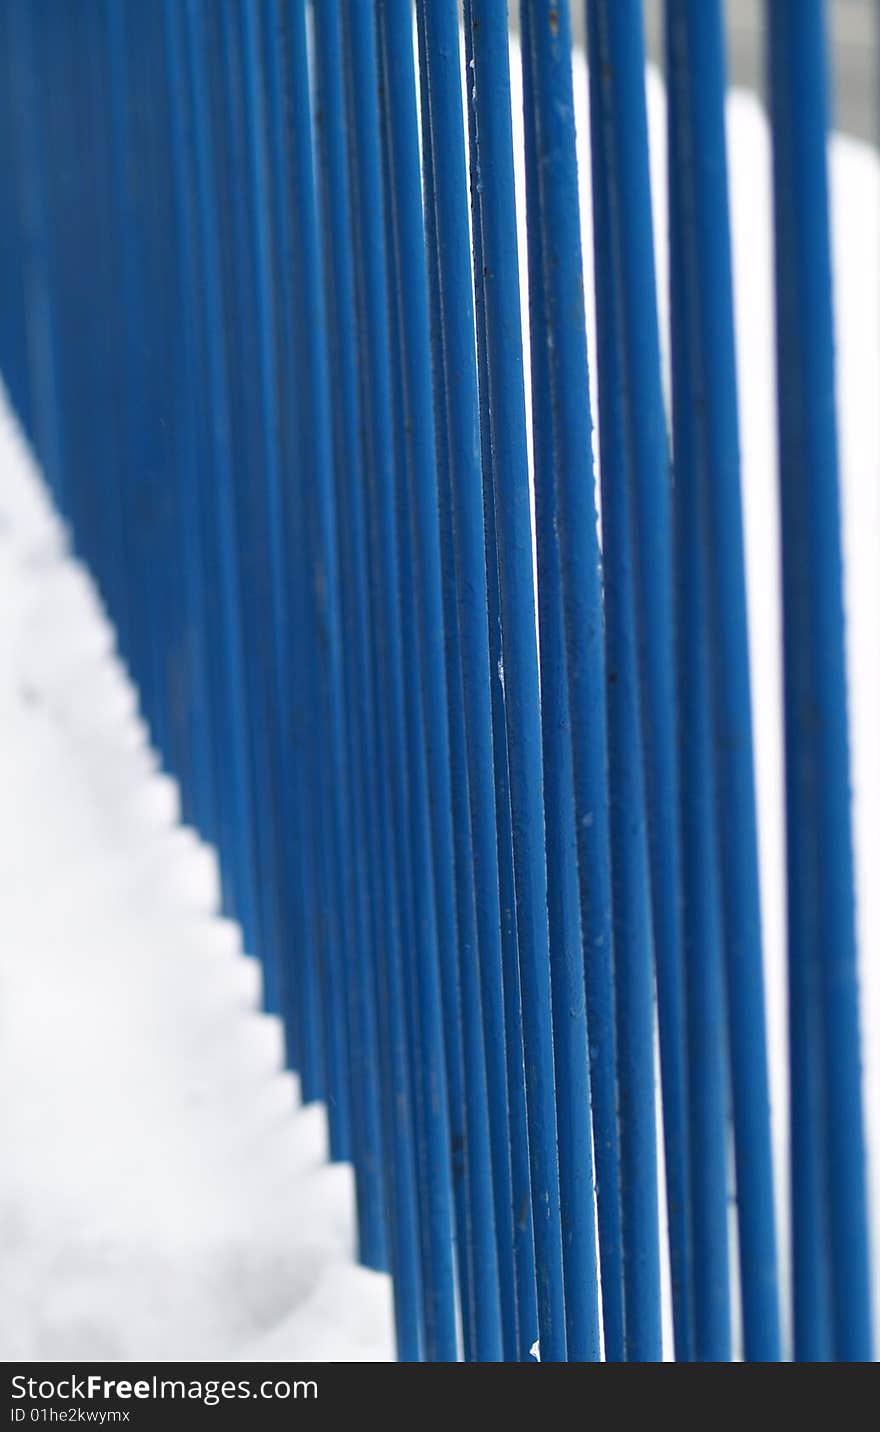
{"points": [[261, 319]]}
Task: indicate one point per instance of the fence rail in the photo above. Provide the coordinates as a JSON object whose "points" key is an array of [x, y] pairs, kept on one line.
{"points": [[261, 318]]}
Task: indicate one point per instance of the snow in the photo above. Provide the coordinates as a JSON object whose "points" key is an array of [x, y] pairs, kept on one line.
{"points": [[164, 1194]]}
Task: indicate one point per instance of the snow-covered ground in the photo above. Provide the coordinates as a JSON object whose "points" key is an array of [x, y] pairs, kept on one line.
{"points": [[163, 1194]]}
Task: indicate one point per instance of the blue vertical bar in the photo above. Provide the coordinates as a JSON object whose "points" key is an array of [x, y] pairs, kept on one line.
{"points": [[270, 548], [178, 403], [360, 732], [231, 711], [44, 88], [222, 96], [478, 1279], [299, 852], [617, 71], [359, 40], [309, 327], [523, 1240], [424, 628], [189, 417], [40, 297], [166, 600], [467, 616], [104, 463], [232, 876], [239, 276], [621, 816], [477, 1285], [134, 472], [421, 909], [14, 356], [570, 1037], [703, 941], [491, 116], [279, 871], [828, 1152], [697, 87]]}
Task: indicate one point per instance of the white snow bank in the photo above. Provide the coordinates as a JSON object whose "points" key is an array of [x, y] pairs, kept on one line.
{"points": [[163, 1193]]}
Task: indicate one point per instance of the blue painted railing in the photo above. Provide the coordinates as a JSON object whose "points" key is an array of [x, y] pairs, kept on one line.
{"points": [[261, 319]]}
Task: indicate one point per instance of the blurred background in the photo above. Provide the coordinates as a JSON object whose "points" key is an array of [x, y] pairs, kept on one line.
{"points": [[854, 25]]}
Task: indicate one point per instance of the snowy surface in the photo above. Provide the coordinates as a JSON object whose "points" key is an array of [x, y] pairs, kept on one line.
{"points": [[163, 1194]]}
